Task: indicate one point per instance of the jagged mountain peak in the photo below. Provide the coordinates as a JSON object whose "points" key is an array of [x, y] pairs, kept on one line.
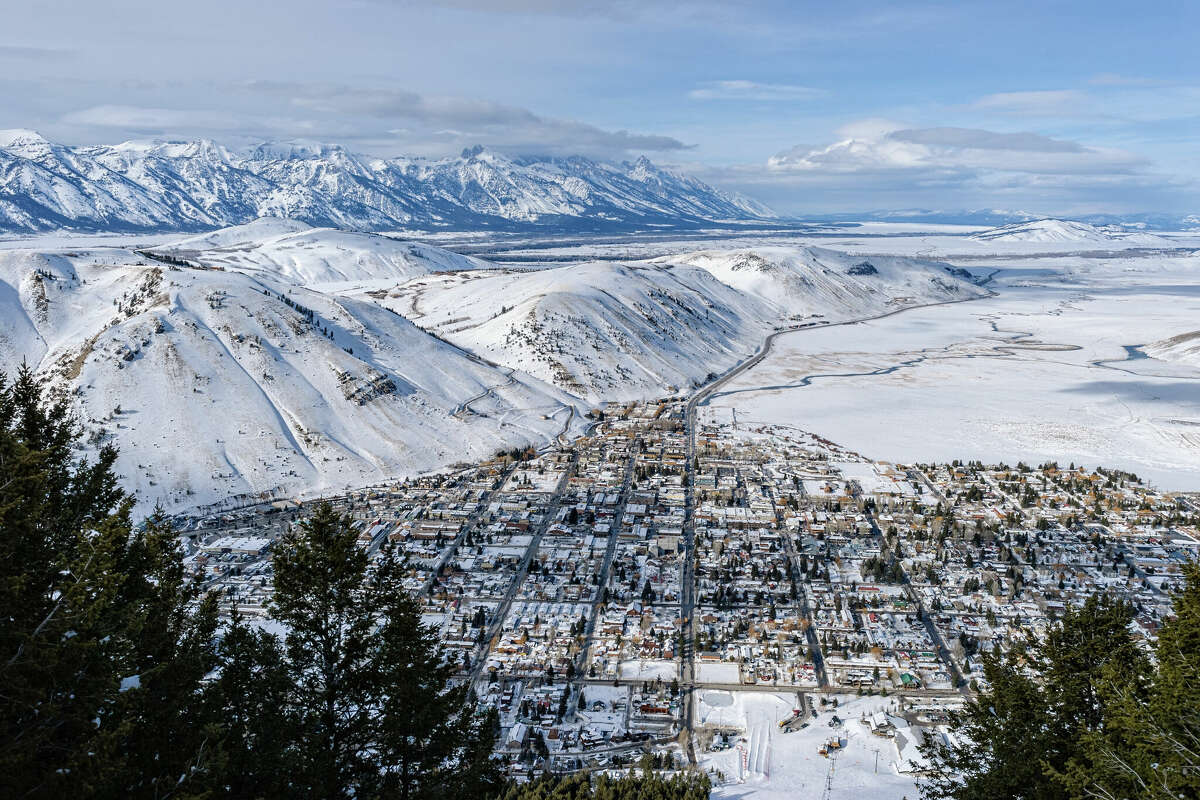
{"points": [[189, 186], [19, 137]]}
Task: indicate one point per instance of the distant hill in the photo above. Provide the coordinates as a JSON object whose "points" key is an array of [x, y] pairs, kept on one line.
{"points": [[1182, 349], [294, 252], [1058, 230], [995, 217]]}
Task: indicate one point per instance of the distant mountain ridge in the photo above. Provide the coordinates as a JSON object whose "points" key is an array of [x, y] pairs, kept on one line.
{"points": [[992, 217], [200, 185], [1066, 231]]}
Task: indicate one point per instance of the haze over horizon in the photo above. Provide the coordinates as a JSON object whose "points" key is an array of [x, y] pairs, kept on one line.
{"points": [[1069, 108]]}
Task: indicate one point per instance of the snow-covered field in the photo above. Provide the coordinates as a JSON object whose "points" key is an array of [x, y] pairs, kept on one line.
{"points": [[1040, 372], [764, 763], [644, 670]]}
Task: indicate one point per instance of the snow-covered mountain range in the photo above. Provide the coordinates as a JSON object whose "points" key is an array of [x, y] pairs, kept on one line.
{"points": [[275, 356], [199, 185]]}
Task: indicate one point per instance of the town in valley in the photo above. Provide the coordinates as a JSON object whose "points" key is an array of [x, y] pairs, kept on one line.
{"points": [[676, 587]]}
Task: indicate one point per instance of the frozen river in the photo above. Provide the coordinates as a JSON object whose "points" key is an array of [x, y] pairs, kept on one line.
{"points": [[1050, 369]]}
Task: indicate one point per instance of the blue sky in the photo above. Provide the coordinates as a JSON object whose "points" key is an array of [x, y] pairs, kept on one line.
{"points": [[1051, 107]]}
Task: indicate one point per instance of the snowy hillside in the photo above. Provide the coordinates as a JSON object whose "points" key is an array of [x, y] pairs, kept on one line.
{"points": [[604, 330], [599, 330], [813, 282], [215, 384], [191, 186], [1065, 231], [299, 359], [293, 252], [1182, 349]]}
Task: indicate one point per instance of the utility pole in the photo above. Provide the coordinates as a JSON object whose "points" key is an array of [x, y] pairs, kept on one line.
{"points": [[828, 793]]}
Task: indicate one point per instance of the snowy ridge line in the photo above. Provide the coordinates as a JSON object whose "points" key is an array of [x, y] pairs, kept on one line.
{"points": [[282, 354], [200, 185]]}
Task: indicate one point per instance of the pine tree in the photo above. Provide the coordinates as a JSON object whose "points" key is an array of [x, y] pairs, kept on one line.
{"points": [[1149, 746], [1017, 739], [251, 693], [321, 600], [102, 646], [370, 710], [433, 741]]}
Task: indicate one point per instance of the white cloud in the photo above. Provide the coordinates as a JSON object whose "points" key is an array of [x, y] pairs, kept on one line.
{"points": [[875, 146], [137, 118], [439, 123], [1111, 100], [878, 164], [1057, 102], [32, 52], [379, 121], [751, 90]]}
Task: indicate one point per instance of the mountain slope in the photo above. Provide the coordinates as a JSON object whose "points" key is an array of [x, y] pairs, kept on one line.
{"points": [[217, 385], [296, 253], [599, 330], [615, 331], [1181, 349], [191, 186], [277, 357], [807, 282]]}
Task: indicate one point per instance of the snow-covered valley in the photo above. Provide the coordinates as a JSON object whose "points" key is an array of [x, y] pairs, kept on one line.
{"points": [[295, 360], [1082, 356]]}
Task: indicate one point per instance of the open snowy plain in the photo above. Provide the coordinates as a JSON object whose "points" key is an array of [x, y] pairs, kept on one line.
{"points": [[1055, 367]]}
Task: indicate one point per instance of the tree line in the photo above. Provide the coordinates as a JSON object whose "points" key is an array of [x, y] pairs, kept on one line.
{"points": [[1086, 712], [118, 677], [646, 785]]}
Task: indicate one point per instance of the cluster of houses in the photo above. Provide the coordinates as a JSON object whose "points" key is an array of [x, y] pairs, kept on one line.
{"points": [[581, 588]]}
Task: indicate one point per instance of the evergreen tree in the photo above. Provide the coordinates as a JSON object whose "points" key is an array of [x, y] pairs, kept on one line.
{"points": [[1149, 746], [370, 710], [103, 642], [1044, 703], [643, 785], [434, 743], [321, 599], [251, 693]]}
